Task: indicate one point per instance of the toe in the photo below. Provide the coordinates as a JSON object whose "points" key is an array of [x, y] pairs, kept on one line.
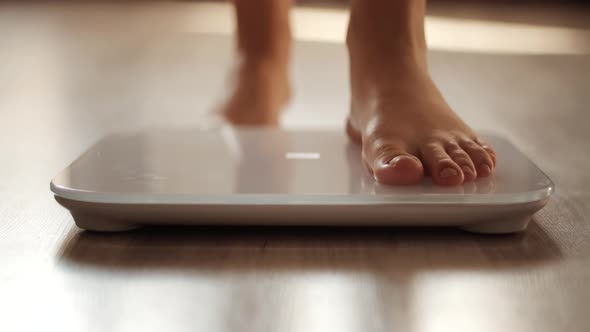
{"points": [[482, 159], [403, 169], [461, 158], [392, 164], [443, 170], [488, 149]]}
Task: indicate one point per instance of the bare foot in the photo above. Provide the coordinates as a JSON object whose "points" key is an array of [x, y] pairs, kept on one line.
{"points": [[259, 94], [406, 128]]}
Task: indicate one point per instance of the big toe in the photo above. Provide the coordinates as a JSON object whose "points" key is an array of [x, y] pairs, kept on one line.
{"points": [[400, 169], [393, 165]]}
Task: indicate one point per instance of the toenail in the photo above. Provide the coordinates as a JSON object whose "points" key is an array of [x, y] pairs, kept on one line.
{"points": [[448, 172], [398, 158], [467, 169], [485, 169], [394, 160]]}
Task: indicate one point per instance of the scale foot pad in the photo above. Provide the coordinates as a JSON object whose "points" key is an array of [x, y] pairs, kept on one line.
{"points": [[505, 226], [102, 224]]}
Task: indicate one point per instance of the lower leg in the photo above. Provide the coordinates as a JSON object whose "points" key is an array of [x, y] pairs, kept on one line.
{"points": [[261, 78], [406, 127]]}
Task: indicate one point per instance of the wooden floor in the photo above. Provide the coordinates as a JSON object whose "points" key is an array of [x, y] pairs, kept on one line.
{"points": [[69, 74]]}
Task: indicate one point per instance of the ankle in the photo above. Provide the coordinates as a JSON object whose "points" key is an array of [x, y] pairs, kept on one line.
{"points": [[384, 31], [402, 54], [263, 66], [263, 81], [265, 55], [376, 73]]}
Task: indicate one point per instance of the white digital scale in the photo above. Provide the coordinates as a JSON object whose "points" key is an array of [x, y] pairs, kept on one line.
{"points": [[266, 176]]}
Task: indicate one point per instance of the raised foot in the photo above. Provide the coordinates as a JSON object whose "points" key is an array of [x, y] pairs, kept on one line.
{"points": [[102, 224], [260, 92], [504, 226]]}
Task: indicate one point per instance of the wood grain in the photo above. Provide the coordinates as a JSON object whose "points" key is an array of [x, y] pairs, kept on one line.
{"points": [[72, 73]]}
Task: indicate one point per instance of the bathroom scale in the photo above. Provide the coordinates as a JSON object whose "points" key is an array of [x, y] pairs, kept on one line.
{"points": [[270, 176]]}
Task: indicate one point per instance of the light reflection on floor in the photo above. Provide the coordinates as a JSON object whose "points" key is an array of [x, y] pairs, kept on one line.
{"points": [[443, 33]]}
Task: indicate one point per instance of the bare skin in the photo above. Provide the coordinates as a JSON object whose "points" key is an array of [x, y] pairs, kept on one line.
{"points": [[261, 83], [406, 128]]}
